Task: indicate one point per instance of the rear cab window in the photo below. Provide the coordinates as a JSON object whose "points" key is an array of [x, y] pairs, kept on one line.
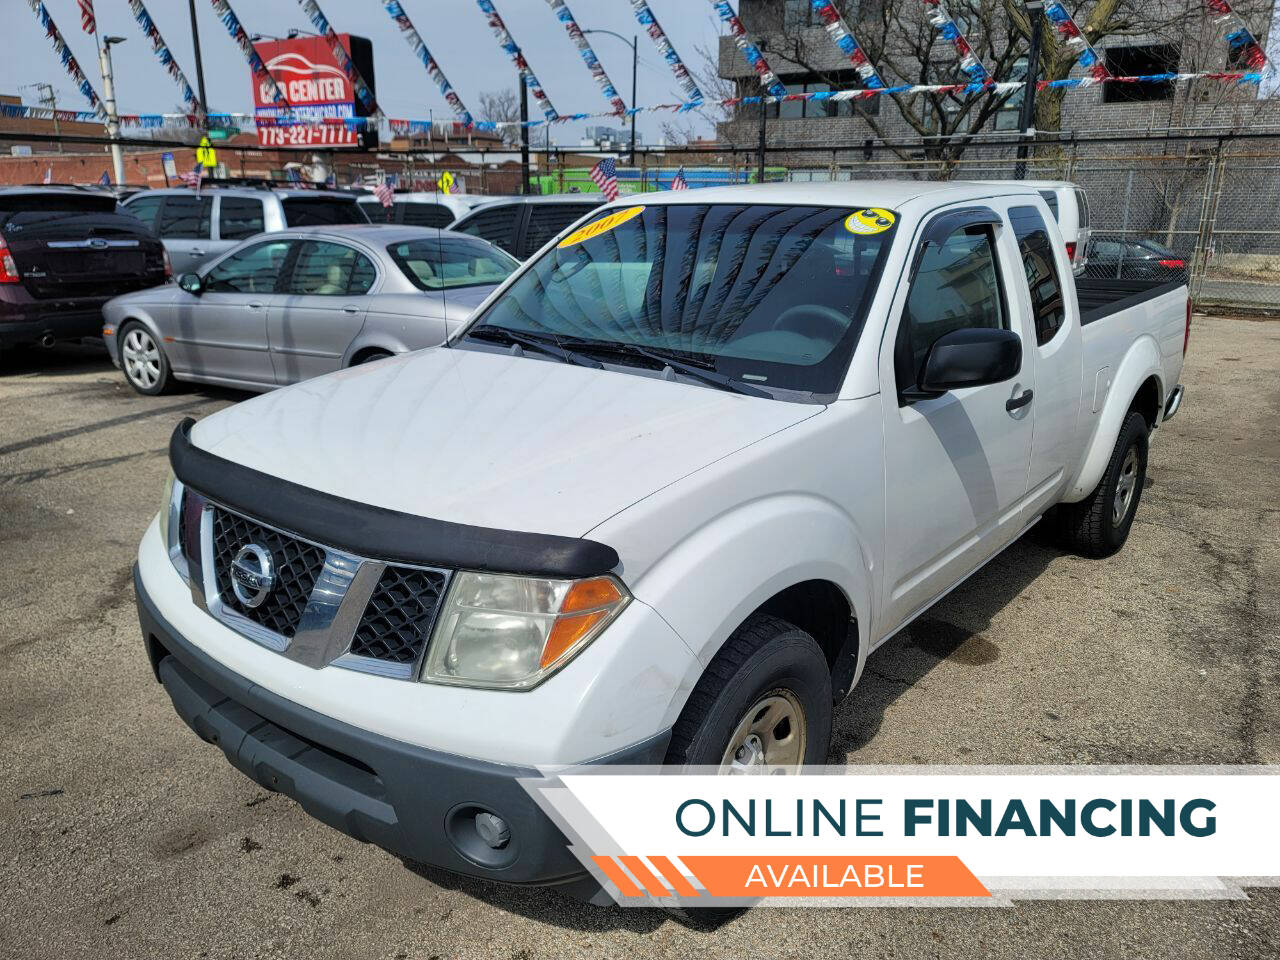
{"points": [[321, 211]]}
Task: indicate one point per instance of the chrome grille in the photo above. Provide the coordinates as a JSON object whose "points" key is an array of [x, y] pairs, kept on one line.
{"points": [[297, 566], [398, 618]]}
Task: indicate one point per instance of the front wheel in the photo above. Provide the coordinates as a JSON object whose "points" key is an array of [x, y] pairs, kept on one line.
{"points": [[143, 361], [1099, 525], [762, 706]]}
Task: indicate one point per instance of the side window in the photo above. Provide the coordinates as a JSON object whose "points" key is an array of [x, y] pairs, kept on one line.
{"points": [[186, 218], [326, 269], [497, 225], [254, 269], [425, 214], [548, 219], [146, 209], [376, 212], [1105, 250], [1042, 273], [239, 217], [957, 285]]}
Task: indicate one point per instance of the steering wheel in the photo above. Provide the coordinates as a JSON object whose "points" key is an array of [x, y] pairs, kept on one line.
{"points": [[813, 320]]}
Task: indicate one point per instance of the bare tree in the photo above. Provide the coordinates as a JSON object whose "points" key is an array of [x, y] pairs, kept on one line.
{"points": [[706, 72], [504, 107]]}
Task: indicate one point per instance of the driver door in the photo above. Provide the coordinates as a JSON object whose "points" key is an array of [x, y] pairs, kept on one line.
{"points": [[955, 464]]}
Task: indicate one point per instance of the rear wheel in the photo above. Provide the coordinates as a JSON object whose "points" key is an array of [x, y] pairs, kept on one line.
{"points": [[143, 361], [1099, 525], [371, 356]]}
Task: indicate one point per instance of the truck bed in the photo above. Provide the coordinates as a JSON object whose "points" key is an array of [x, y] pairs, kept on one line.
{"points": [[1101, 297]]}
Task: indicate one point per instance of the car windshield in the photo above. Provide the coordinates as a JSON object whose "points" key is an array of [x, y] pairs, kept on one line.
{"points": [[765, 295], [446, 262]]}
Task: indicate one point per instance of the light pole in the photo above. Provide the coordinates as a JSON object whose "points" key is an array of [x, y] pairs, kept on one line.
{"points": [[109, 100], [1027, 117], [634, 58], [195, 40]]}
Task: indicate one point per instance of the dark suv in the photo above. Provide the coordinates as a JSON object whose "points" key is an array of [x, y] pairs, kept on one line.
{"points": [[521, 225], [63, 254]]}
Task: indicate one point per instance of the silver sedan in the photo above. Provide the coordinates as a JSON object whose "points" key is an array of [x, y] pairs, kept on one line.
{"points": [[293, 304]]}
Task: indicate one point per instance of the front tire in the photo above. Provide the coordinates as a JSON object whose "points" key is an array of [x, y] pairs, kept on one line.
{"points": [[143, 361], [1099, 525], [763, 705]]}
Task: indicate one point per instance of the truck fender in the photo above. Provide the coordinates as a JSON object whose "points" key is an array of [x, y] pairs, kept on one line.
{"points": [[708, 583], [1140, 363]]}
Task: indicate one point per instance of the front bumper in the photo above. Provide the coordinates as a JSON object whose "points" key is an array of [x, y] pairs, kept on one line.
{"points": [[417, 803]]}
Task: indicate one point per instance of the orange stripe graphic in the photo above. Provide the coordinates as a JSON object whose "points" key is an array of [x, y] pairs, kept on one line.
{"points": [[620, 879], [729, 876], [673, 876], [645, 876]]}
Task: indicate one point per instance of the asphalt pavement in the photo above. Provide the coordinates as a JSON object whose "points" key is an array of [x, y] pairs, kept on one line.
{"points": [[123, 835]]}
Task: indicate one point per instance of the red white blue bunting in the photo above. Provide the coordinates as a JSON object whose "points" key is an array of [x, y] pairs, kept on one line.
{"points": [[565, 16], [508, 43], [68, 61], [843, 38], [945, 24], [1075, 39], [414, 39], [321, 23], [1239, 38], [646, 19], [256, 66], [768, 79], [165, 56]]}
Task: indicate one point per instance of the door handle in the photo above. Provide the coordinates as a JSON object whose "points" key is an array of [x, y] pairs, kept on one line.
{"points": [[196, 252], [350, 309], [1021, 400], [255, 305]]}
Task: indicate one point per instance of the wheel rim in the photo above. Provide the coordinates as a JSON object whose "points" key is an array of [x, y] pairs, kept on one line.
{"points": [[1126, 487], [141, 358], [769, 739]]}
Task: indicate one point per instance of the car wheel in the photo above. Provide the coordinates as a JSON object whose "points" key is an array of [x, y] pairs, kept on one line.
{"points": [[371, 356], [1099, 525], [763, 705], [144, 363]]}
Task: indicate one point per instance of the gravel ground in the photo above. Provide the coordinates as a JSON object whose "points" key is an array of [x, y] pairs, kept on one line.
{"points": [[121, 835]]}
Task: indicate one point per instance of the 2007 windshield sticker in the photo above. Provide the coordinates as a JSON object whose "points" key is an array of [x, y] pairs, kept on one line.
{"points": [[870, 221], [603, 225]]}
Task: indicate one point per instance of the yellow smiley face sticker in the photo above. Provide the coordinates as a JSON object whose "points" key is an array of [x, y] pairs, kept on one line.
{"points": [[603, 225], [870, 221]]}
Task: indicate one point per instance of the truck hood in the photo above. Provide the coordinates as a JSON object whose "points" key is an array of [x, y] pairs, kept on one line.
{"points": [[490, 439]]}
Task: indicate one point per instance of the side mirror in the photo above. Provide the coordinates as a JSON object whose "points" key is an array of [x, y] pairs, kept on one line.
{"points": [[971, 357], [192, 283]]}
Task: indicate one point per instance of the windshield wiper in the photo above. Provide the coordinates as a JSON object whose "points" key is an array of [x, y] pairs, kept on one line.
{"points": [[694, 371], [546, 345]]}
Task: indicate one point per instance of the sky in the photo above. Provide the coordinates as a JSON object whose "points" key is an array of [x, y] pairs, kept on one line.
{"points": [[454, 30]]}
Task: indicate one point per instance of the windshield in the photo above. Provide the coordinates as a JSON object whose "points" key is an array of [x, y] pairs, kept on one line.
{"points": [[771, 296], [447, 262]]}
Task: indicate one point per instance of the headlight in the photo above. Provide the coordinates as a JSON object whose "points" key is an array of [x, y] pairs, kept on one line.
{"points": [[514, 632], [166, 507]]}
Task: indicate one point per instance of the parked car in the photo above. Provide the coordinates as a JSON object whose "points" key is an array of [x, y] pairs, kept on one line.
{"points": [[655, 503], [64, 252], [422, 209], [198, 225], [296, 303], [521, 225], [1134, 258]]}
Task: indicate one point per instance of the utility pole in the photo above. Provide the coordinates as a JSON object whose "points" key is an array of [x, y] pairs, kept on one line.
{"points": [[109, 101], [1027, 118], [195, 40], [49, 100], [635, 57], [524, 136]]}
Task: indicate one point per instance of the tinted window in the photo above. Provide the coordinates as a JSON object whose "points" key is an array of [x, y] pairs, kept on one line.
{"points": [[239, 217], [321, 211], [774, 296], [1082, 207], [251, 270], [186, 218], [146, 209], [957, 286], [495, 224], [376, 212], [548, 219], [1041, 271], [424, 214], [450, 261], [56, 201], [326, 269]]}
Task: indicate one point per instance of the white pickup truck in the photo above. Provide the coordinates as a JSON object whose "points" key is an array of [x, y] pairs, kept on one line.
{"points": [[655, 503]]}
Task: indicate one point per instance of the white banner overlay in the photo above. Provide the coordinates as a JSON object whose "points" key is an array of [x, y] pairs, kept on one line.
{"points": [[939, 835]]}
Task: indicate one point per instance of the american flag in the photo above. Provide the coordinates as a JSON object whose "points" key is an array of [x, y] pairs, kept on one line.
{"points": [[680, 183], [605, 176], [48, 174], [86, 17], [384, 193], [194, 177]]}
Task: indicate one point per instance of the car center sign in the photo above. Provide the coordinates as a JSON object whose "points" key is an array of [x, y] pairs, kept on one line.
{"points": [[317, 89]]}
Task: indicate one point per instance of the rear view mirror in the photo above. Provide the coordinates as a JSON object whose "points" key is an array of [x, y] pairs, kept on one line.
{"points": [[971, 357], [192, 283]]}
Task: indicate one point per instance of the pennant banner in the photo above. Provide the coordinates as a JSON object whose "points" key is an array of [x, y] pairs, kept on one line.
{"points": [[941, 18], [321, 23], [565, 16], [508, 43], [414, 39], [843, 38], [259, 69], [768, 79], [646, 19], [1074, 38], [165, 55], [1239, 37], [68, 61]]}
